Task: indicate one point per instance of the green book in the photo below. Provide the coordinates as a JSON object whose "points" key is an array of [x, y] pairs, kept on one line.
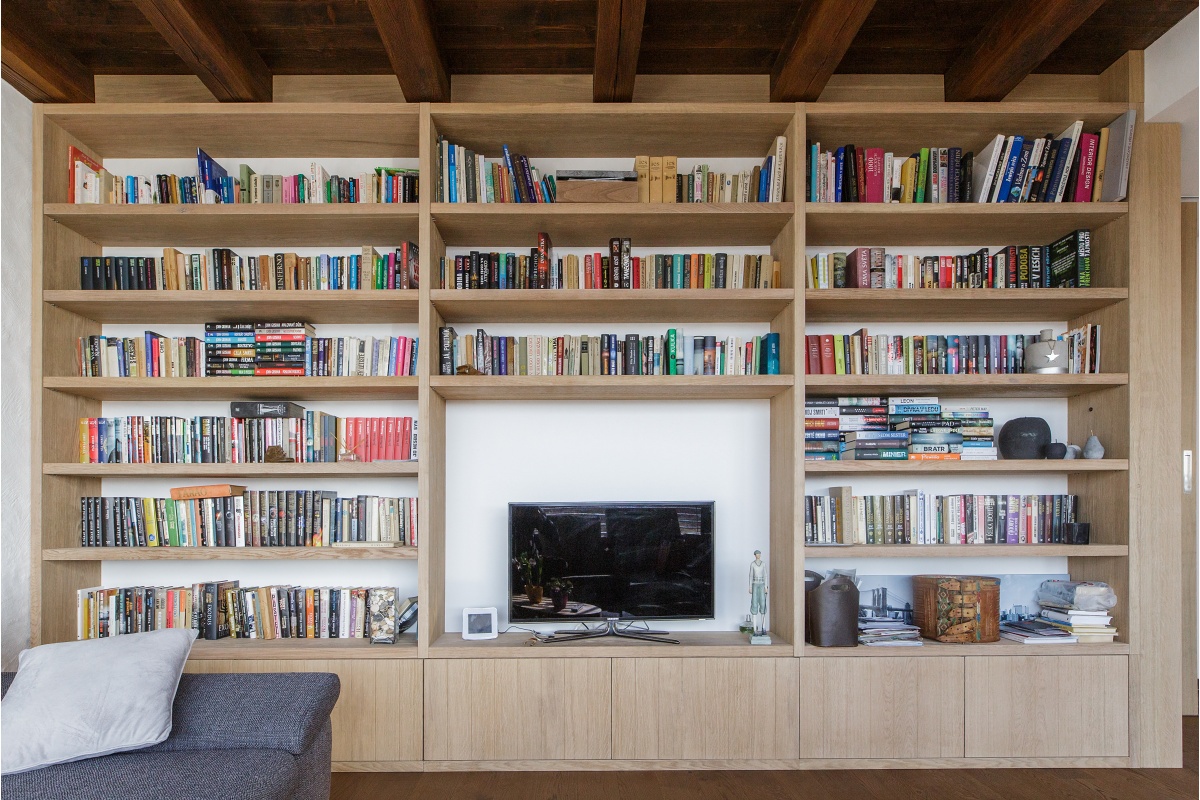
{"points": [[922, 174], [672, 341], [172, 523]]}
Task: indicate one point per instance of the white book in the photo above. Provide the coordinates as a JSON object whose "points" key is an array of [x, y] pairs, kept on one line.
{"points": [[897, 176], [777, 173], [984, 167], [935, 184], [1116, 162], [888, 166], [1005, 155]]}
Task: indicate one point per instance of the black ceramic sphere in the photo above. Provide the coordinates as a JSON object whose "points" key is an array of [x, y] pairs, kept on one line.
{"points": [[1024, 438], [1055, 450]]}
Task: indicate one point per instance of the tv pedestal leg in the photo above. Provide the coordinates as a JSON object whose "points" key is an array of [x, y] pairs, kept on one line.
{"points": [[610, 629]]}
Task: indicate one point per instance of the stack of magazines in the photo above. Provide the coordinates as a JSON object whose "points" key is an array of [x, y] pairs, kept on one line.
{"points": [[887, 632]]}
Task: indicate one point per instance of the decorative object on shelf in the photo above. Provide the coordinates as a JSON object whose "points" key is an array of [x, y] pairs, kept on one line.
{"points": [[1055, 450], [1077, 533], [381, 611], [531, 570], [1073, 451], [480, 623], [758, 598], [957, 608], [560, 591], [747, 626], [1048, 356], [1024, 438], [276, 455], [831, 610], [1092, 448], [406, 616]]}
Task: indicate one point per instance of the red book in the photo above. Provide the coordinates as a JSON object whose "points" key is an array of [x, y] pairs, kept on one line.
{"points": [[75, 154], [821, 423], [637, 272], [946, 272], [374, 440], [391, 270], [874, 183], [812, 365], [1088, 142], [858, 268], [404, 428], [390, 443], [279, 371], [828, 362]]}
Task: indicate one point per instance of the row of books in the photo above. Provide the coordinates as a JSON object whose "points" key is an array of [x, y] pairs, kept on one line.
{"points": [[861, 353], [660, 181], [89, 182], [465, 176], [617, 270], [1056, 625], [222, 609], [291, 349], [896, 429], [222, 269], [607, 354], [224, 515], [1071, 167], [918, 517], [1064, 263], [313, 437]]}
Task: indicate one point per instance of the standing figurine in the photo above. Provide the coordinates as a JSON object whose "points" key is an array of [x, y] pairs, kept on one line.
{"points": [[758, 599]]}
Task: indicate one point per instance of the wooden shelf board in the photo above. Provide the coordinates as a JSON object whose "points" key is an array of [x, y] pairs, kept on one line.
{"points": [[340, 469], [997, 467], [844, 224], [955, 305], [610, 387], [250, 388], [964, 550], [1004, 647], [607, 305], [229, 553], [963, 385], [604, 130], [231, 131], [367, 306], [906, 128], [693, 644], [593, 224], [239, 225], [305, 649]]}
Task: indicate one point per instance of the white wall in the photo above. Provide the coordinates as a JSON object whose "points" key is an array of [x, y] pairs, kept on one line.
{"points": [[1172, 93], [16, 167]]}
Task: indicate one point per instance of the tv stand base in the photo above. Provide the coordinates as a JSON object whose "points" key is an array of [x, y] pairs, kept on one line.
{"points": [[610, 629]]}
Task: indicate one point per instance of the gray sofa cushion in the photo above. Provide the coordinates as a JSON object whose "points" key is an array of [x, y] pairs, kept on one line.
{"points": [[284, 711], [194, 775]]}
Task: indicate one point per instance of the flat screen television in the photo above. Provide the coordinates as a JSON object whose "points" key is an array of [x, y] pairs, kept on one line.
{"points": [[628, 560]]}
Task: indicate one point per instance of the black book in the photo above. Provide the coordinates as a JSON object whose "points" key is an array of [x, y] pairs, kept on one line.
{"points": [[721, 268], [965, 188], [274, 409], [633, 361], [289, 519], [850, 173], [614, 259], [85, 272], [626, 263], [1056, 152]]}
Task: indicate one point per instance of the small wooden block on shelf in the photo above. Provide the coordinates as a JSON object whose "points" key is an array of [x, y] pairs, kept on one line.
{"points": [[358, 306]]}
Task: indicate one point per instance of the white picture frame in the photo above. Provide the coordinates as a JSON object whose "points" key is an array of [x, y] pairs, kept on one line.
{"points": [[480, 623]]}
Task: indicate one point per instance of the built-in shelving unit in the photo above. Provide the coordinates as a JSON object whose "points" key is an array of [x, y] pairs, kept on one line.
{"points": [[1132, 406]]}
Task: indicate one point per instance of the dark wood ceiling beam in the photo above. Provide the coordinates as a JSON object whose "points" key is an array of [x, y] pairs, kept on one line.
{"points": [[41, 71], [618, 43], [1018, 38], [406, 27], [820, 36], [212, 46]]}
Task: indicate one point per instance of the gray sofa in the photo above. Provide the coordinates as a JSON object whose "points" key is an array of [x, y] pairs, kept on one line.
{"points": [[262, 736]]}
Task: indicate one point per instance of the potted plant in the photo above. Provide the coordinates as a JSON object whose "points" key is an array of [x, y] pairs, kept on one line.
{"points": [[560, 591], [531, 571]]}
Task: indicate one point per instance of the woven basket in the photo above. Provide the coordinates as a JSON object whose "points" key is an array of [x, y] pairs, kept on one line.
{"points": [[957, 608]]}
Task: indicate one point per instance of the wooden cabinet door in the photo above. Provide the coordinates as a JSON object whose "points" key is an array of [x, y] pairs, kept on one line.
{"points": [[517, 709], [1047, 706], [705, 708], [881, 707]]}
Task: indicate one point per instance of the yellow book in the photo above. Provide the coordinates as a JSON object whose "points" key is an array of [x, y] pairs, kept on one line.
{"points": [[656, 179], [148, 514], [1101, 157], [776, 276], [670, 170], [642, 165], [908, 180]]}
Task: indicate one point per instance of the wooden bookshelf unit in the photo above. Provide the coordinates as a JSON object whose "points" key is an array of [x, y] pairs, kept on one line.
{"points": [[438, 702]]}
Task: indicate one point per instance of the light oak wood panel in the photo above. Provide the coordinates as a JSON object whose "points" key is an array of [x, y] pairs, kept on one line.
{"points": [[339, 469], [255, 388], [152, 89], [238, 224], [360, 306], [1051, 88], [378, 716], [533, 709], [1042, 706], [692, 644], [741, 764], [913, 125], [255, 649], [894, 224], [702, 88], [337, 89], [882, 708], [934, 649], [610, 387], [611, 305], [997, 467], [601, 130], [240, 130], [673, 708], [494, 89], [588, 224], [890, 89], [962, 385], [1190, 411], [956, 305], [964, 550], [228, 553]]}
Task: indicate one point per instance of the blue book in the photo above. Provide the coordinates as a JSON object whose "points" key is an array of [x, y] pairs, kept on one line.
{"points": [[770, 348], [677, 271], [412, 364], [909, 408], [839, 174], [503, 356], [1023, 165], [210, 171], [823, 436], [877, 436], [949, 437], [353, 278], [813, 156], [1010, 169], [1060, 168], [508, 164], [131, 188], [452, 194]]}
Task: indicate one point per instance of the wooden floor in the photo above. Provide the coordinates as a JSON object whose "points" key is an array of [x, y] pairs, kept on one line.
{"points": [[970, 784]]}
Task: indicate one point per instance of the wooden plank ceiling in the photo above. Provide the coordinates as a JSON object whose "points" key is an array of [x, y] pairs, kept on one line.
{"points": [[235, 46]]}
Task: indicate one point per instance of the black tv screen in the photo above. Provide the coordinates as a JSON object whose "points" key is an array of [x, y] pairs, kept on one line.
{"points": [[598, 560]]}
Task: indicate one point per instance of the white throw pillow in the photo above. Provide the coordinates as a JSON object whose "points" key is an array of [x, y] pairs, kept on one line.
{"points": [[78, 700]]}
